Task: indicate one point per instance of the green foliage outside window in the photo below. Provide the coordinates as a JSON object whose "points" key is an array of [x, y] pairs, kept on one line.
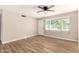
{"points": [[58, 24]]}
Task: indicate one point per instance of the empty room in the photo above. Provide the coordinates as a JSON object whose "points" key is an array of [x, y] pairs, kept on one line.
{"points": [[39, 28]]}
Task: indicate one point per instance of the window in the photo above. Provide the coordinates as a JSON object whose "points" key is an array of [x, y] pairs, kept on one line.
{"points": [[62, 24]]}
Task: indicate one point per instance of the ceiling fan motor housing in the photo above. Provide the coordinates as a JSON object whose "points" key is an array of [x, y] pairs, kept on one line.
{"points": [[45, 8]]}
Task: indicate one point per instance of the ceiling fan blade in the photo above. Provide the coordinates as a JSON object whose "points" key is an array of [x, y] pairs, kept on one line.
{"points": [[40, 6], [51, 10], [51, 6], [40, 11]]}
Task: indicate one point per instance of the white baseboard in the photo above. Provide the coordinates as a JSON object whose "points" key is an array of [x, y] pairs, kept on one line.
{"points": [[61, 38], [4, 42]]}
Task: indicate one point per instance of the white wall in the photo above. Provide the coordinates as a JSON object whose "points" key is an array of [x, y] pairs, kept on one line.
{"points": [[15, 27], [0, 26], [72, 35], [78, 26], [40, 28]]}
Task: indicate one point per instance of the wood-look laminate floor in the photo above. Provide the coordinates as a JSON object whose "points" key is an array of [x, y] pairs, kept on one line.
{"points": [[40, 44]]}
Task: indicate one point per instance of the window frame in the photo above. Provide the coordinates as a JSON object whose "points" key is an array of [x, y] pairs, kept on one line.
{"points": [[58, 18]]}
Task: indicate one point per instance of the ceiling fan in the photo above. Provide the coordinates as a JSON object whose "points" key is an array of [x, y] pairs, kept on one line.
{"points": [[45, 8]]}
